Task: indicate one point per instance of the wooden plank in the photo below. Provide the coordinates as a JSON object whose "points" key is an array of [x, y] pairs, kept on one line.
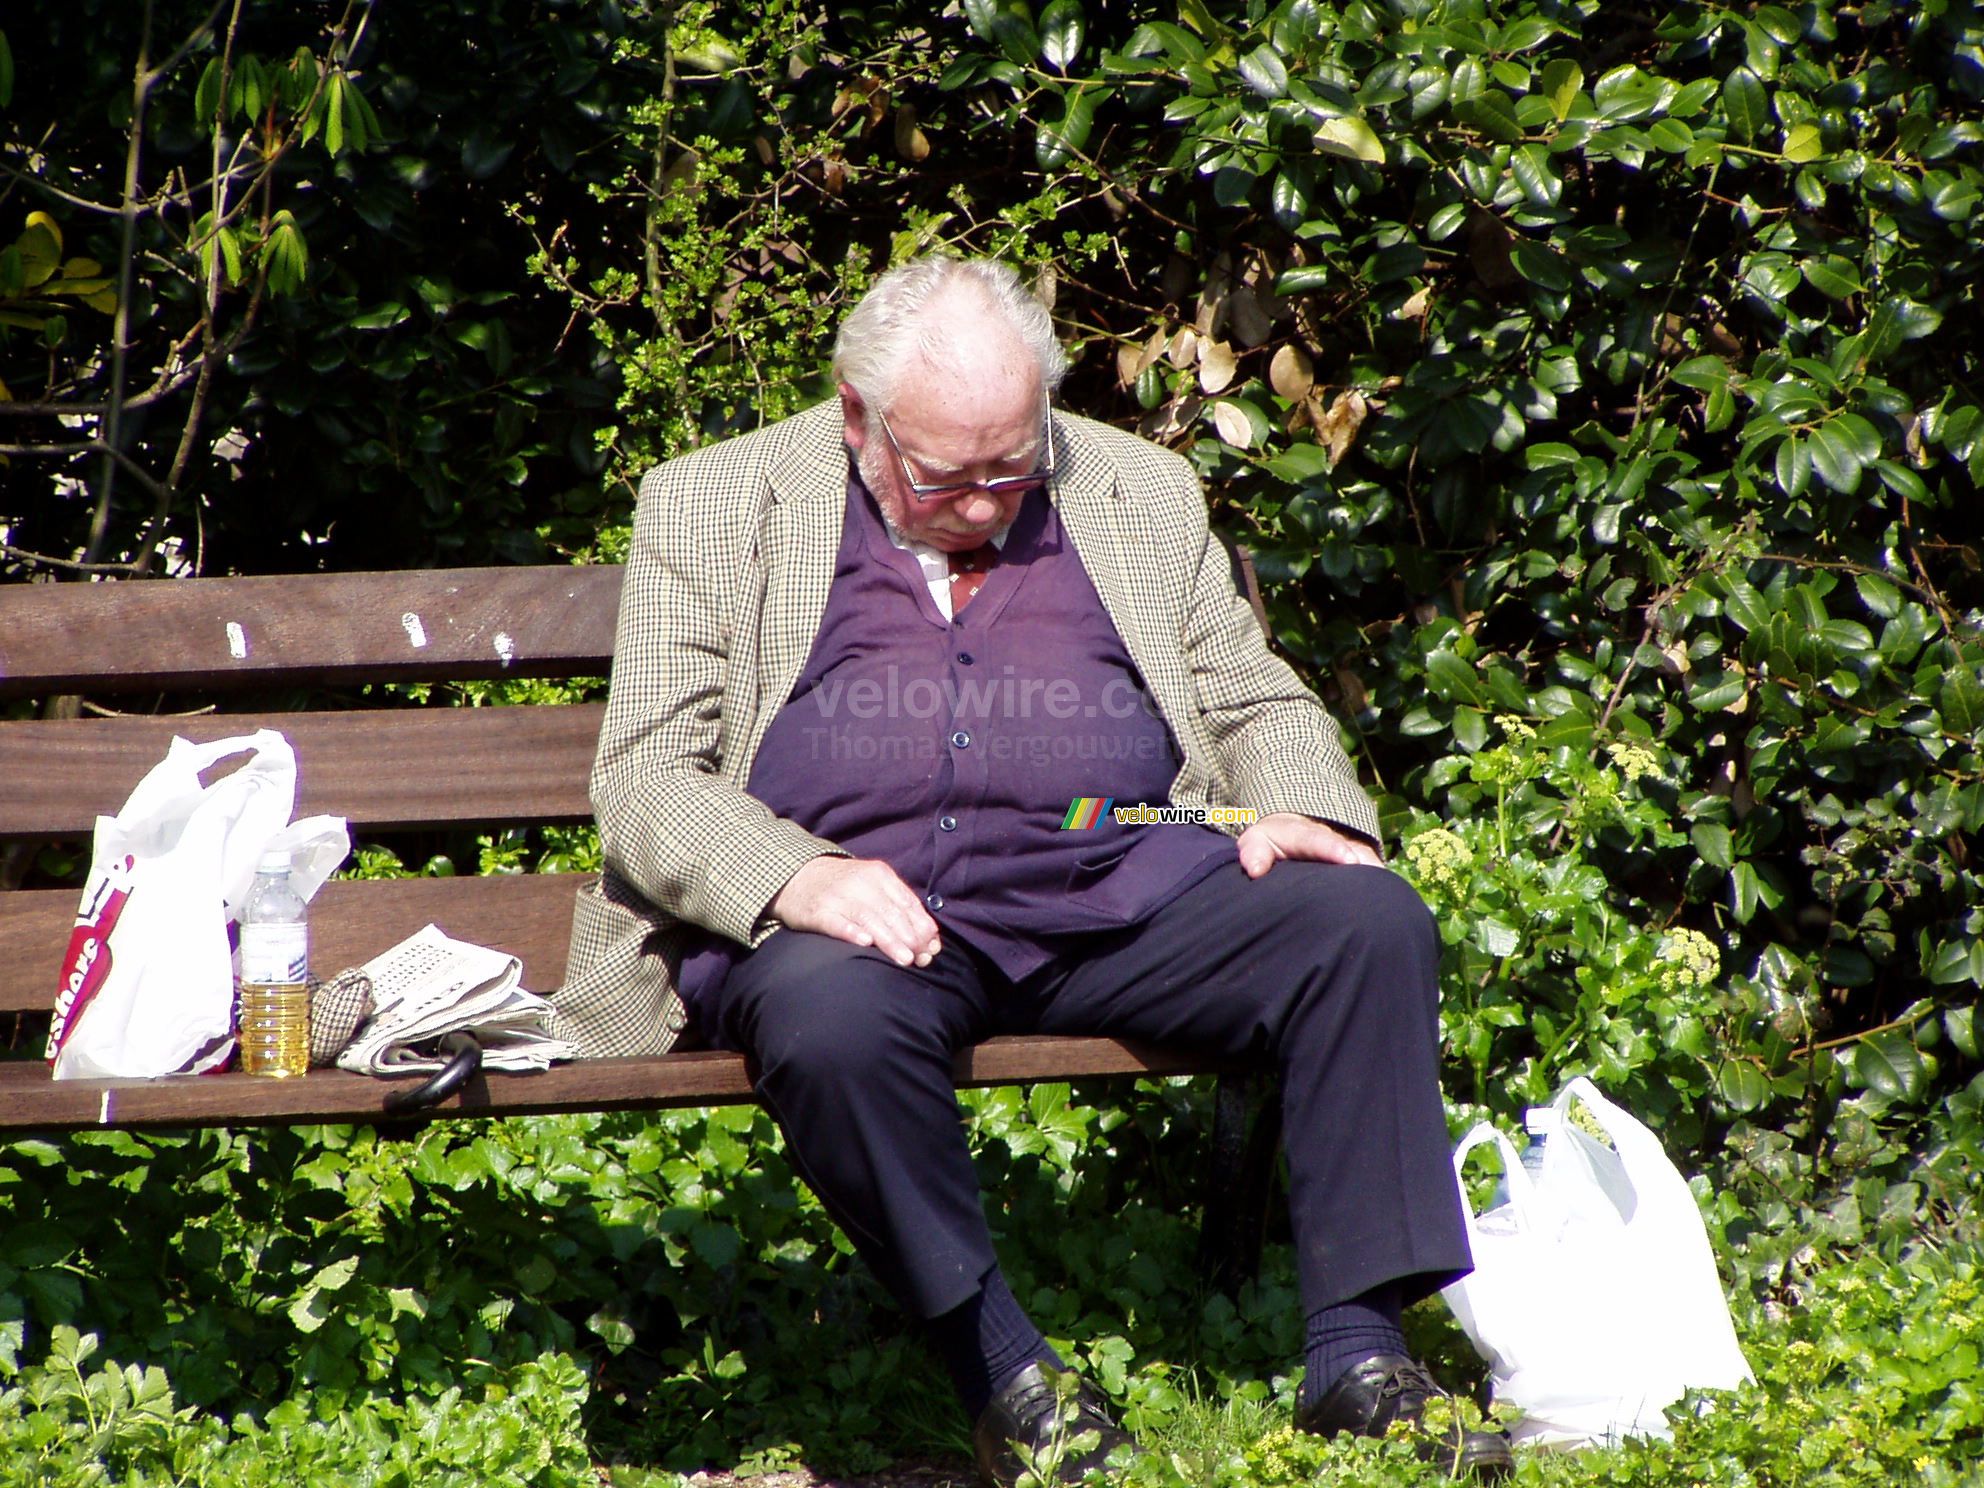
{"points": [[528, 915], [379, 768], [29, 1099], [177, 634]]}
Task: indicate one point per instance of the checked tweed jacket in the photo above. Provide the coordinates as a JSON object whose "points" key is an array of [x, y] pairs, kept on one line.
{"points": [[733, 554]]}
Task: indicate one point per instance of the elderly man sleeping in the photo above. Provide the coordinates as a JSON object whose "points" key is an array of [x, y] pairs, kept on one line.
{"points": [[869, 659]]}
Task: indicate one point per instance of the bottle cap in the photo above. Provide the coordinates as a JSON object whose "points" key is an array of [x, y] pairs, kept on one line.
{"points": [[273, 862], [1541, 1121]]}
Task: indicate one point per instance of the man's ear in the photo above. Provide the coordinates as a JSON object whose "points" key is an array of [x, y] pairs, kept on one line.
{"points": [[854, 417]]}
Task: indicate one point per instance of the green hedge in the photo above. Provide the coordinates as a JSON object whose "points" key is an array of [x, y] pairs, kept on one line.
{"points": [[1598, 392]]}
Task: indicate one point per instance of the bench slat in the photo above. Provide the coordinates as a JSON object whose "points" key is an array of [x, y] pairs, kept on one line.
{"points": [[527, 914], [29, 1099], [380, 768], [307, 629]]}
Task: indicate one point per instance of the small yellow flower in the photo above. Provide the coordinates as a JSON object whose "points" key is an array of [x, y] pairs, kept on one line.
{"points": [[1688, 958], [1513, 728], [1634, 760], [1439, 859]]}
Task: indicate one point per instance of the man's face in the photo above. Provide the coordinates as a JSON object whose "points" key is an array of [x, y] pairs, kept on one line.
{"points": [[950, 429]]}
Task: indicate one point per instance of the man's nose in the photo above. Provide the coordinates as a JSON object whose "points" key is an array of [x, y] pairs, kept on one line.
{"points": [[979, 508]]}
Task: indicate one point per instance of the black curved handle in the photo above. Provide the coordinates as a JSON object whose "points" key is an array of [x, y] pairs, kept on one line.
{"points": [[464, 1059]]}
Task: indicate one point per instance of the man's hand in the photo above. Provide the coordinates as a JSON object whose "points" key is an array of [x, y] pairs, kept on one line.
{"points": [[1286, 835], [862, 901]]}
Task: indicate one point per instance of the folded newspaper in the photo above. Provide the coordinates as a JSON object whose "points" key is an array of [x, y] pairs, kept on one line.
{"points": [[428, 985]]}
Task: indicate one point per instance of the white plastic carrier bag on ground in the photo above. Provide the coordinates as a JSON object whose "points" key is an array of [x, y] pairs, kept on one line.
{"points": [[148, 983], [1594, 1296]]}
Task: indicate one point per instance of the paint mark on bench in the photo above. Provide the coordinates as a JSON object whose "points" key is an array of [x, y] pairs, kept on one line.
{"points": [[104, 1109], [505, 647], [415, 631], [237, 641]]}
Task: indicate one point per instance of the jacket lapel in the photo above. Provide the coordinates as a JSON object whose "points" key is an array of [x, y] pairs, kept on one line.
{"points": [[798, 538], [1111, 529]]}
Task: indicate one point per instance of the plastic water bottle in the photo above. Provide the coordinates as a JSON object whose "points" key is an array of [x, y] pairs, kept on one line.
{"points": [[1541, 1123], [274, 1030]]}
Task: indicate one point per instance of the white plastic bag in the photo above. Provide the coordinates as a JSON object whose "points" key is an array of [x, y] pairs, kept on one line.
{"points": [[148, 984], [1594, 1296]]}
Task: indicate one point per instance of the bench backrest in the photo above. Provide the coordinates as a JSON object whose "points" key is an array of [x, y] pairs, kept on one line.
{"points": [[255, 650]]}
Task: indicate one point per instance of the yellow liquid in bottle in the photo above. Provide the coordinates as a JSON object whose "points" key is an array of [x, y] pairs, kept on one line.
{"points": [[275, 1028]]}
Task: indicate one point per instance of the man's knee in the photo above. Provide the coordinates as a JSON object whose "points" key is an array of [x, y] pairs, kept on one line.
{"points": [[1395, 915], [819, 1009]]}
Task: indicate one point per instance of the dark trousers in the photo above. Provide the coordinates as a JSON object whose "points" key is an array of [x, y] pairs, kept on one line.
{"points": [[1324, 973]]}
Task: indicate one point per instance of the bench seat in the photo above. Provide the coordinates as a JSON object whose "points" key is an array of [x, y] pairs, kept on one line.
{"points": [[241, 648]]}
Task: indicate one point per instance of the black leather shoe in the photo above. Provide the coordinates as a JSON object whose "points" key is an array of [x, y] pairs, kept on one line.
{"points": [[1375, 1392], [1030, 1413]]}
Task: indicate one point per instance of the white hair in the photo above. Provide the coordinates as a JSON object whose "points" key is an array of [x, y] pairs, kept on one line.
{"points": [[889, 329]]}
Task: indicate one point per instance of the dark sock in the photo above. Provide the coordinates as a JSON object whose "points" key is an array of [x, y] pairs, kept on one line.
{"points": [[986, 1341], [1340, 1336]]}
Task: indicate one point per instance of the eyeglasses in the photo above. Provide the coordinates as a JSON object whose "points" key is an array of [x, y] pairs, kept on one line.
{"points": [[925, 491]]}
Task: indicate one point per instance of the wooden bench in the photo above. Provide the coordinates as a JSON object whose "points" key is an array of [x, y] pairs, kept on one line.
{"points": [[249, 649]]}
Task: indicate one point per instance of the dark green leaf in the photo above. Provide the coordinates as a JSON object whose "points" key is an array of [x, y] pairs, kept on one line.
{"points": [[1713, 844], [1302, 279], [1778, 23], [1492, 113], [1951, 964], [1741, 1085], [1454, 680], [1960, 701], [1961, 1025], [1834, 277], [1835, 460], [1561, 80], [1878, 595], [1263, 70], [1536, 176], [1671, 135], [1745, 103], [1889, 1064], [1540, 265], [1794, 466], [1703, 373], [1062, 29], [1061, 139]]}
